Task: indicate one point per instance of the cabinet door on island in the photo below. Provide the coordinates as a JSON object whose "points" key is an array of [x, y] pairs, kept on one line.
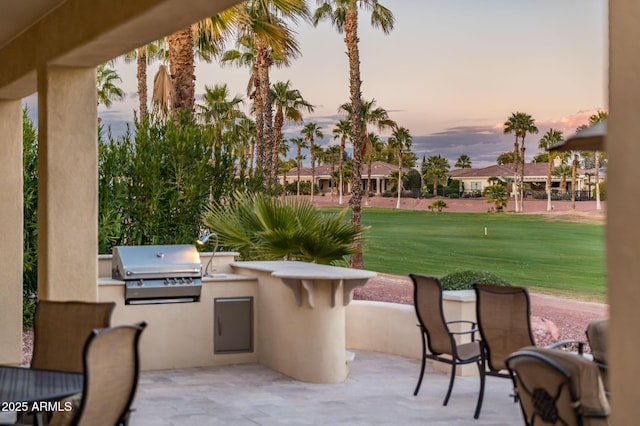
{"points": [[233, 325]]}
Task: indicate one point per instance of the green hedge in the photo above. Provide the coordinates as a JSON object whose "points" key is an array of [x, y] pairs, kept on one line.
{"points": [[464, 280]]}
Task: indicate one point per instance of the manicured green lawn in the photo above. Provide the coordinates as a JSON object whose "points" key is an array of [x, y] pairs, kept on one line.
{"points": [[527, 250]]}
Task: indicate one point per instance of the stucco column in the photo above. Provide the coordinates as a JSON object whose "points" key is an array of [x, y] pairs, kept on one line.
{"points": [[623, 207], [68, 188], [11, 224]]}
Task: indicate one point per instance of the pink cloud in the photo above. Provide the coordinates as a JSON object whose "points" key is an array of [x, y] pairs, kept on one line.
{"points": [[569, 124]]}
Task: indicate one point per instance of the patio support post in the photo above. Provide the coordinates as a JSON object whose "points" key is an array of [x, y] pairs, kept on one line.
{"points": [[68, 189], [11, 224], [623, 205]]}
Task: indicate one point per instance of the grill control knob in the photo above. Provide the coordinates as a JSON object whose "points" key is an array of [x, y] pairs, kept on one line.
{"points": [[166, 281], [140, 283]]}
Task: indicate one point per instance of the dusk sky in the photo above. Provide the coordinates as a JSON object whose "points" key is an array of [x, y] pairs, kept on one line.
{"points": [[451, 72]]}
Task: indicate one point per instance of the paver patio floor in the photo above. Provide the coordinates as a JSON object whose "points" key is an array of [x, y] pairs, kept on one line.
{"points": [[378, 391]]}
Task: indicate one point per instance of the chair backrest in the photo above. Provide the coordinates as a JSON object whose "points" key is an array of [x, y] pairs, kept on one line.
{"points": [[427, 299], [112, 366], [597, 332], [61, 329], [503, 319], [558, 387]]}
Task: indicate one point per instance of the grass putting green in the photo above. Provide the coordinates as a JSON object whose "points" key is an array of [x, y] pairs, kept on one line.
{"points": [[545, 255]]}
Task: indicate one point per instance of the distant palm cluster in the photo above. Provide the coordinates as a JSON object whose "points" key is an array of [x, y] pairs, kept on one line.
{"points": [[259, 35]]}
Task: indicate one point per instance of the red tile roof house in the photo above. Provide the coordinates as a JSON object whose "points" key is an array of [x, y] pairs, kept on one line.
{"points": [[475, 181], [380, 177]]}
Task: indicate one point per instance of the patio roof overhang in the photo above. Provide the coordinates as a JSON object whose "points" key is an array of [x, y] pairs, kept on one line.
{"points": [[590, 139], [79, 33]]}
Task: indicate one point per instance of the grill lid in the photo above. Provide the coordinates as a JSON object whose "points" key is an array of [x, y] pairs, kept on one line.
{"points": [[154, 262]]}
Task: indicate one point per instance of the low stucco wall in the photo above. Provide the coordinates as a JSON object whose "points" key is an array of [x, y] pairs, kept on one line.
{"points": [[383, 327], [392, 328]]}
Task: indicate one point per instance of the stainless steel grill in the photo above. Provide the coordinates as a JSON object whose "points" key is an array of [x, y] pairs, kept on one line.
{"points": [[158, 274]]}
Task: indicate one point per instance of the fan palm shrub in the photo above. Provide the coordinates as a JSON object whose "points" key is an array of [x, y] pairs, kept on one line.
{"points": [[262, 227]]}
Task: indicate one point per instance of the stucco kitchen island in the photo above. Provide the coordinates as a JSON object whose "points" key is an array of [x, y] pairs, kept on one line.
{"points": [[301, 316]]}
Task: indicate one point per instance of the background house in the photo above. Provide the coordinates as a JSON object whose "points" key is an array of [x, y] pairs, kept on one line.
{"points": [[473, 181]]}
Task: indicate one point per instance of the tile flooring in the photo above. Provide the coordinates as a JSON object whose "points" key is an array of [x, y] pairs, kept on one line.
{"points": [[378, 391]]}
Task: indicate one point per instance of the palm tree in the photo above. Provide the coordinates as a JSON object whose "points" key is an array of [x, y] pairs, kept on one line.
{"points": [[310, 131], [435, 169], [264, 23], [400, 140], [205, 38], [288, 103], [343, 14], [549, 139], [574, 171], [373, 145], [283, 166], [496, 193], [219, 110], [143, 55], [563, 171], [342, 131], [331, 155], [519, 124], [182, 60], [596, 118], [376, 116], [276, 229], [108, 91], [300, 144], [246, 129], [464, 162]]}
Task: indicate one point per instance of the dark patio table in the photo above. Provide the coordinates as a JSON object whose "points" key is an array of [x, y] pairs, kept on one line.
{"points": [[34, 390]]}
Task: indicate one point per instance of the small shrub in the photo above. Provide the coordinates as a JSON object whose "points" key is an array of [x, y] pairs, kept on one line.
{"points": [[439, 205], [463, 280], [29, 302]]}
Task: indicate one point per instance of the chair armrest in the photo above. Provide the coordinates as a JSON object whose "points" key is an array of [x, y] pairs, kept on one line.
{"points": [[563, 343], [472, 331], [473, 324]]}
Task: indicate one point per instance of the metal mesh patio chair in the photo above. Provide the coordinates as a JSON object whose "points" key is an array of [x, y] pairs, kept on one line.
{"points": [[503, 315], [61, 329], [438, 341], [111, 368], [557, 388], [597, 332]]}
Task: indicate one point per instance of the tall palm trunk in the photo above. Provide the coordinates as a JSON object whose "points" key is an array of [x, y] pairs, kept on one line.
{"points": [[333, 170], [182, 64], [277, 137], [142, 81], [369, 161], [516, 187], [260, 148], [262, 65], [597, 164], [522, 176], [312, 151], [252, 156], [351, 40], [549, 170], [299, 165], [341, 166], [399, 179], [574, 169]]}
